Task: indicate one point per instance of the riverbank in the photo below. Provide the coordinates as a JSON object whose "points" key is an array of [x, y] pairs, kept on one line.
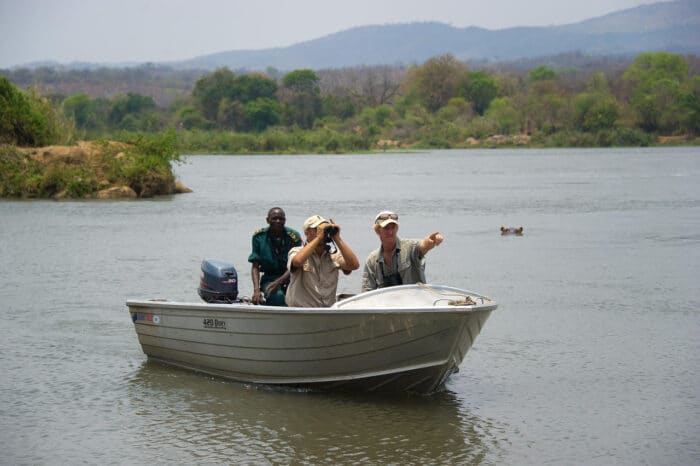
{"points": [[107, 169], [88, 170], [328, 141]]}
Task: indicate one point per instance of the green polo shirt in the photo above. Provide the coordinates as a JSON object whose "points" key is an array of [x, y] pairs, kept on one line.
{"points": [[271, 252]]}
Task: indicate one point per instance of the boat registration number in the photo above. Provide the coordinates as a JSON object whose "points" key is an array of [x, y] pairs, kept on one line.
{"points": [[213, 323]]}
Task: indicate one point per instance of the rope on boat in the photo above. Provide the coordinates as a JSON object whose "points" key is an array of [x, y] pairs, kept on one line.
{"points": [[452, 299]]}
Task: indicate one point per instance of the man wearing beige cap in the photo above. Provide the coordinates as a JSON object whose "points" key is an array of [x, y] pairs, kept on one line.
{"points": [[397, 261], [314, 267]]}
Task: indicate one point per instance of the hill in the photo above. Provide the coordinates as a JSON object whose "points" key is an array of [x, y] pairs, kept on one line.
{"points": [[665, 26]]}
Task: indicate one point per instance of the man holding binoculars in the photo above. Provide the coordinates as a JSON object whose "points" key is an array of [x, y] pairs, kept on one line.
{"points": [[314, 266]]}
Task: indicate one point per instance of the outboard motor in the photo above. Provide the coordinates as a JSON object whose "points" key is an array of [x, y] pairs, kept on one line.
{"points": [[218, 282]]}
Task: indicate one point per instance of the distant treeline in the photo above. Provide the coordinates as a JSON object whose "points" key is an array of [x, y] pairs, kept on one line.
{"points": [[441, 103]]}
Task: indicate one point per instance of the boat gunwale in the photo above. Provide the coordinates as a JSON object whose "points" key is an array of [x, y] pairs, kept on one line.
{"points": [[338, 308], [262, 309]]}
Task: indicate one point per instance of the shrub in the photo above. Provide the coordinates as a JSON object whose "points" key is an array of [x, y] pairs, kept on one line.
{"points": [[625, 137], [147, 167], [17, 174], [28, 119]]}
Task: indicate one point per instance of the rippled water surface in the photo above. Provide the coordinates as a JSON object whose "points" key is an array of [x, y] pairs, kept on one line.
{"points": [[593, 356]]}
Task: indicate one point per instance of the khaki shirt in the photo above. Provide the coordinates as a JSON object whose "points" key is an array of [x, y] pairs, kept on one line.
{"points": [[407, 262], [315, 283]]}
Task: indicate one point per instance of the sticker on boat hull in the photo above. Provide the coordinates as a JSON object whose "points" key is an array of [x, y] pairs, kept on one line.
{"points": [[143, 317]]}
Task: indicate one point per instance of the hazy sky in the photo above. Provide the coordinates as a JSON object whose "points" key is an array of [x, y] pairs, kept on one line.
{"points": [[111, 31]]}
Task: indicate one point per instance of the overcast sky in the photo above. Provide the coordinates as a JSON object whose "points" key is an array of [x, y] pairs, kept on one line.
{"points": [[113, 31]]}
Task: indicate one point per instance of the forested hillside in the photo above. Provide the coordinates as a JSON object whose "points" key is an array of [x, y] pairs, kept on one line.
{"points": [[440, 103]]}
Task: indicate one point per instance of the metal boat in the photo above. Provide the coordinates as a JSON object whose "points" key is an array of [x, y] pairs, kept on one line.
{"points": [[402, 338]]}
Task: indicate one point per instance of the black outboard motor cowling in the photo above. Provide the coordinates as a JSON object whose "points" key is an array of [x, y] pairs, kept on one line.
{"points": [[218, 282]]}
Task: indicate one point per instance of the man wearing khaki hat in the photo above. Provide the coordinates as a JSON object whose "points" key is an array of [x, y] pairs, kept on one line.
{"points": [[397, 261], [314, 267]]}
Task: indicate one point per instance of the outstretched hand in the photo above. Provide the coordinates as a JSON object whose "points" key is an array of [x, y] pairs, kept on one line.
{"points": [[436, 238], [430, 241]]}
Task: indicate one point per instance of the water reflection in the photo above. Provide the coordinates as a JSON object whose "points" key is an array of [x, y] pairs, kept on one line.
{"points": [[213, 420]]}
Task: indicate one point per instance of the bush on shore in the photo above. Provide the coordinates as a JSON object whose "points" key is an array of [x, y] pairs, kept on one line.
{"points": [[29, 119], [142, 164]]}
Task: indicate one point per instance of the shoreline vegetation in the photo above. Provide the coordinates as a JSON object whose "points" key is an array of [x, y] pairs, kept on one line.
{"points": [[143, 169], [123, 146], [89, 170], [324, 141]]}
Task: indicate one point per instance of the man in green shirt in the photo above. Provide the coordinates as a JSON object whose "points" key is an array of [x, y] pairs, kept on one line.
{"points": [[271, 246]]}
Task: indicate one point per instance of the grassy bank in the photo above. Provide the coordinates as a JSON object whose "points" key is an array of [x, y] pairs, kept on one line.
{"points": [[140, 165], [137, 168], [328, 141]]}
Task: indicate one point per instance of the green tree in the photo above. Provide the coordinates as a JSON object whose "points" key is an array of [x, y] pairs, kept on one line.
{"points": [[437, 80], [544, 107], [262, 113], [16, 121], [656, 80], [457, 111], [222, 96], [79, 108], [231, 115], [29, 119], [480, 89], [86, 113], [99, 109], [541, 73], [648, 68], [375, 118], [598, 83], [504, 114], [211, 89], [341, 107], [303, 80], [190, 117], [300, 97], [691, 102], [596, 109], [249, 87], [133, 112]]}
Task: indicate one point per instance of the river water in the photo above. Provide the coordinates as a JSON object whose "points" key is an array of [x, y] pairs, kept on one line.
{"points": [[593, 356]]}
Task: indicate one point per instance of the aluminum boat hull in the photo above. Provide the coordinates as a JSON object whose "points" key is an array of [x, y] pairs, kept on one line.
{"points": [[404, 338]]}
